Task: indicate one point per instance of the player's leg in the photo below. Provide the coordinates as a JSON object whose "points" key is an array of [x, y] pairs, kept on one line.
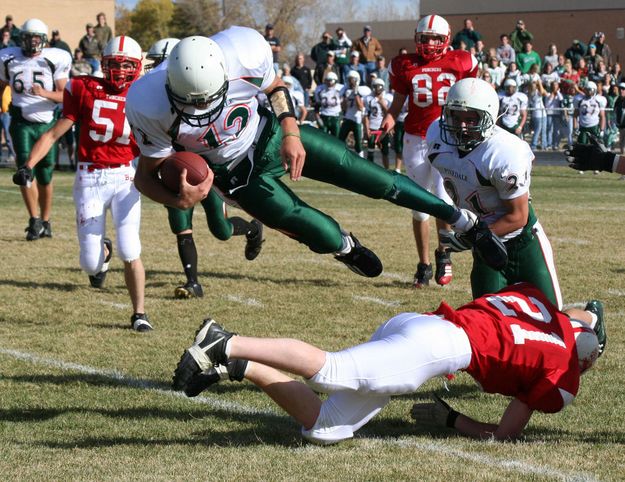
{"points": [[357, 132], [21, 135], [43, 172], [484, 279], [384, 149], [181, 224], [371, 148], [398, 145], [126, 214]]}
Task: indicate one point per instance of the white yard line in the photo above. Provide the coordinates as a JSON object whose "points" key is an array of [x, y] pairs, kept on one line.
{"points": [[244, 301], [511, 465], [378, 301], [119, 306]]}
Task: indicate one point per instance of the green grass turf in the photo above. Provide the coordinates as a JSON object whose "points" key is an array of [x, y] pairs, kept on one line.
{"points": [[120, 422]]}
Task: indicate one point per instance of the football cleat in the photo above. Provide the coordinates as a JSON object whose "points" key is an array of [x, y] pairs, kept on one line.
{"points": [[34, 230], [189, 290], [140, 322], [234, 370], [443, 273], [254, 241], [596, 307], [209, 349], [47, 230], [97, 280], [360, 260], [423, 275]]}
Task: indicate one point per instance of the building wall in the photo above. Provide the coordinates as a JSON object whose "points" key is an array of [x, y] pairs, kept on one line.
{"points": [[559, 27], [68, 16]]}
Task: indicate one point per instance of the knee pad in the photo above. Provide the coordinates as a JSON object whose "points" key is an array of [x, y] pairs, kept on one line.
{"points": [[129, 249], [91, 262], [417, 216], [337, 373]]}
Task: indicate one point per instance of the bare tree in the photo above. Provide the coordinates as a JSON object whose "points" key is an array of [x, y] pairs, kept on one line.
{"points": [[150, 21]]}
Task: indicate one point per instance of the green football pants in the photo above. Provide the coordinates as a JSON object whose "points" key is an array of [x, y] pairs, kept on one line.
{"points": [[219, 225], [24, 135], [331, 124], [350, 126], [584, 138]]}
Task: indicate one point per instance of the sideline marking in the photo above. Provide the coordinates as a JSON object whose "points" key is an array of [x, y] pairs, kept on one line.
{"points": [[244, 301], [507, 464], [378, 301]]}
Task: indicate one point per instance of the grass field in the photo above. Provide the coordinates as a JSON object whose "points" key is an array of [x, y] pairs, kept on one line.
{"points": [[82, 397]]}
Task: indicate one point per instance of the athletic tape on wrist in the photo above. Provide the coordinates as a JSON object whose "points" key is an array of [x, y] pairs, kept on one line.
{"points": [[281, 103]]}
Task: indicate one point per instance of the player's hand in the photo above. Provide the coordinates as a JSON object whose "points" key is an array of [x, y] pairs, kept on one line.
{"points": [[487, 245], [462, 220], [518, 130], [293, 156], [436, 412], [453, 241], [23, 176], [387, 125], [37, 89], [189, 195], [590, 157]]}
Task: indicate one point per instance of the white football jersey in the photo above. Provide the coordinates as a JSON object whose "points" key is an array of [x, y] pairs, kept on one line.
{"points": [[249, 64], [510, 107], [589, 109], [374, 110], [329, 100], [498, 169], [403, 113], [352, 112], [22, 72]]}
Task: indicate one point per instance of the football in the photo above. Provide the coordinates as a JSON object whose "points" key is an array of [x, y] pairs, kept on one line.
{"points": [[172, 166]]}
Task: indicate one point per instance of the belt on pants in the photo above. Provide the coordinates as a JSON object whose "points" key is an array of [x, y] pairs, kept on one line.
{"points": [[93, 166]]}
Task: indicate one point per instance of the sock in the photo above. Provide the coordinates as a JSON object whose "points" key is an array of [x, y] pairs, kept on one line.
{"points": [[227, 349], [347, 245], [594, 319], [240, 226], [188, 256]]}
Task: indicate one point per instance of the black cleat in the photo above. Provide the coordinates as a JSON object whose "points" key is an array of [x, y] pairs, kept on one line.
{"points": [[254, 241], [209, 349], [423, 275], [360, 260], [234, 371], [34, 230], [189, 290], [140, 322], [47, 230], [97, 280], [596, 307], [444, 274]]}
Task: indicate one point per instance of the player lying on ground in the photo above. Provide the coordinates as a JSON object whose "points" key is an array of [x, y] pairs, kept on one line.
{"points": [[207, 104], [594, 156], [104, 178], [514, 342]]}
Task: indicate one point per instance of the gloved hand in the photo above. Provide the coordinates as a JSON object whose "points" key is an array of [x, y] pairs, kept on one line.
{"points": [[453, 241], [438, 413], [590, 157], [23, 176], [487, 245]]}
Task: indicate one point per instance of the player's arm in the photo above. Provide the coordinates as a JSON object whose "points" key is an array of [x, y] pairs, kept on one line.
{"points": [[602, 119], [149, 184], [53, 95], [393, 112], [292, 149], [523, 120], [515, 218], [365, 123]]}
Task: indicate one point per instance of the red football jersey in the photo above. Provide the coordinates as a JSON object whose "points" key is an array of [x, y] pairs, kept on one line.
{"points": [[521, 345], [105, 135], [427, 83]]}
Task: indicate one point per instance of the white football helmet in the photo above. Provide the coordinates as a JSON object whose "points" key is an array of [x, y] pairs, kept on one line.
{"points": [[331, 79], [428, 27], [197, 80], [119, 51], [591, 88], [32, 29], [586, 344], [378, 85], [159, 51], [354, 76], [510, 86], [469, 95]]}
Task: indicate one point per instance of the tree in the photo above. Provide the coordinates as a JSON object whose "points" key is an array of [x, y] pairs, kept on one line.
{"points": [[123, 23], [150, 21], [207, 17]]}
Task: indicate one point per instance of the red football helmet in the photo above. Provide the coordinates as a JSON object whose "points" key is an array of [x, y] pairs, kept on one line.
{"points": [[121, 62], [432, 37]]}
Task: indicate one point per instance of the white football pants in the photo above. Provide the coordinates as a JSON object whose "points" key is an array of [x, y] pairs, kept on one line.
{"points": [[95, 192], [420, 170], [402, 354]]}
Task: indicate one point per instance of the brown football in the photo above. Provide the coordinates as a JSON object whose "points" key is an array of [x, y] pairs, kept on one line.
{"points": [[172, 166]]}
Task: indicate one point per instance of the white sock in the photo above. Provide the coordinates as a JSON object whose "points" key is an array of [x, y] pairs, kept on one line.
{"points": [[347, 245], [227, 349], [594, 319]]}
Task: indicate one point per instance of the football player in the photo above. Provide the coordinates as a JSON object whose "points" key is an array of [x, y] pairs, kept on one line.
{"points": [[37, 76], [353, 108], [488, 170], [207, 104], [589, 113], [512, 108], [376, 107], [328, 105], [425, 77], [181, 220], [104, 178], [514, 342]]}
